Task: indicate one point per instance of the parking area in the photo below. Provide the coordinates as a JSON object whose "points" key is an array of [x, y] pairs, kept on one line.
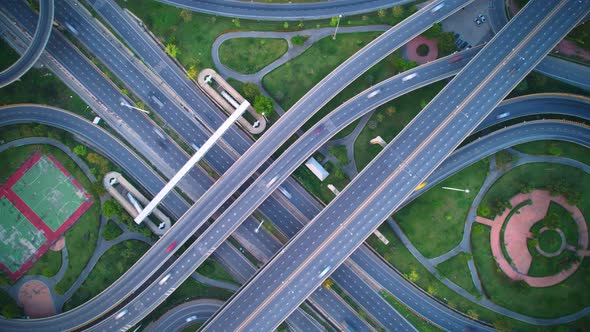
{"points": [[470, 24]]}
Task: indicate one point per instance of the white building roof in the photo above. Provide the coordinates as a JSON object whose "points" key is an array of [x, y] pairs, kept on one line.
{"points": [[317, 169]]}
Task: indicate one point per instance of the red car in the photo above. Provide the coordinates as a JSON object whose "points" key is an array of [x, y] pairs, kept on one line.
{"points": [[171, 246], [455, 59]]}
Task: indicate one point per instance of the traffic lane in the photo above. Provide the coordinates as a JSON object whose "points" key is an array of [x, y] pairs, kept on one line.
{"points": [[335, 308], [567, 71], [95, 134], [288, 12], [88, 75], [111, 148], [36, 47], [423, 166], [151, 53], [369, 298], [193, 311], [137, 81]]}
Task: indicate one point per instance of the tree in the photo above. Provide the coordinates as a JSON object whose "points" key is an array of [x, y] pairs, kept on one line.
{"points": [[186, 15], [80, 150], [172, 50], [40, 130], [236, 22], [125, 92], [397, 12], [11, 310], [328, 283], [381, 13], [140, 104], [298, 40], [413, 276], [192, 72], [250, 90], [286, 25], [111, 208], [434, 31], [473, 314], [334, 21], [263, 104], [446, 43]]}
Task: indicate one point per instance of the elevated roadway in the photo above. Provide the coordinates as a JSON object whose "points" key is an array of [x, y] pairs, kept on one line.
{"points": [[84, 129], [284, 11], [33, 52], [404, 164]]}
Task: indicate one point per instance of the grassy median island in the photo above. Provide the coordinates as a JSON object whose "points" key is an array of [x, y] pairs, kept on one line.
{"points": [[434, 221], [558, 149], [250, 55], [212, 269], [115, 261], [456, 270]]}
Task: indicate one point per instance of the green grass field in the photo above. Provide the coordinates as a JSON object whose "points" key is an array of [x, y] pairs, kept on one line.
{"points": [[288, 83], [456, 270], [434, 221], [48, 265], [250, 55], [19, 239], [49, 193], [116, 261], [212, 269], [556, 148]]}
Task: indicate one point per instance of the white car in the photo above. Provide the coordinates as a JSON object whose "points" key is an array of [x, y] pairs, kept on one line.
{"points": [[373, 94], [121, 314], [285, 192], [437, 8], [325, 271], [191, 318], [503, 115], [409, 77], [166, 277]]}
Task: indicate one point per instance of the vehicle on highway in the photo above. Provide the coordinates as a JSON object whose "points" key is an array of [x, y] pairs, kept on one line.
{"points": [[318, 129], [196, 147], [71, 28], [156, 100], [171, 246], [373, 94], [455, 59], [271, 182], [159, 133], [325, 271], [503, 115], [409, 77], [121, 314], [285, 192], [437, 8], [420, 186], [191, 318], [166, 277]]}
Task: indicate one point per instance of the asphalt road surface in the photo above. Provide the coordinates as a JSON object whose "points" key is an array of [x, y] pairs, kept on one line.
{"points": [[406, 162]]}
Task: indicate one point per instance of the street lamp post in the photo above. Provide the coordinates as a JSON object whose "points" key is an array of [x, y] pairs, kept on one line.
{"points": [[258, 228], [135, 108], [456, 189], [265, 118], [337, 24]]}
